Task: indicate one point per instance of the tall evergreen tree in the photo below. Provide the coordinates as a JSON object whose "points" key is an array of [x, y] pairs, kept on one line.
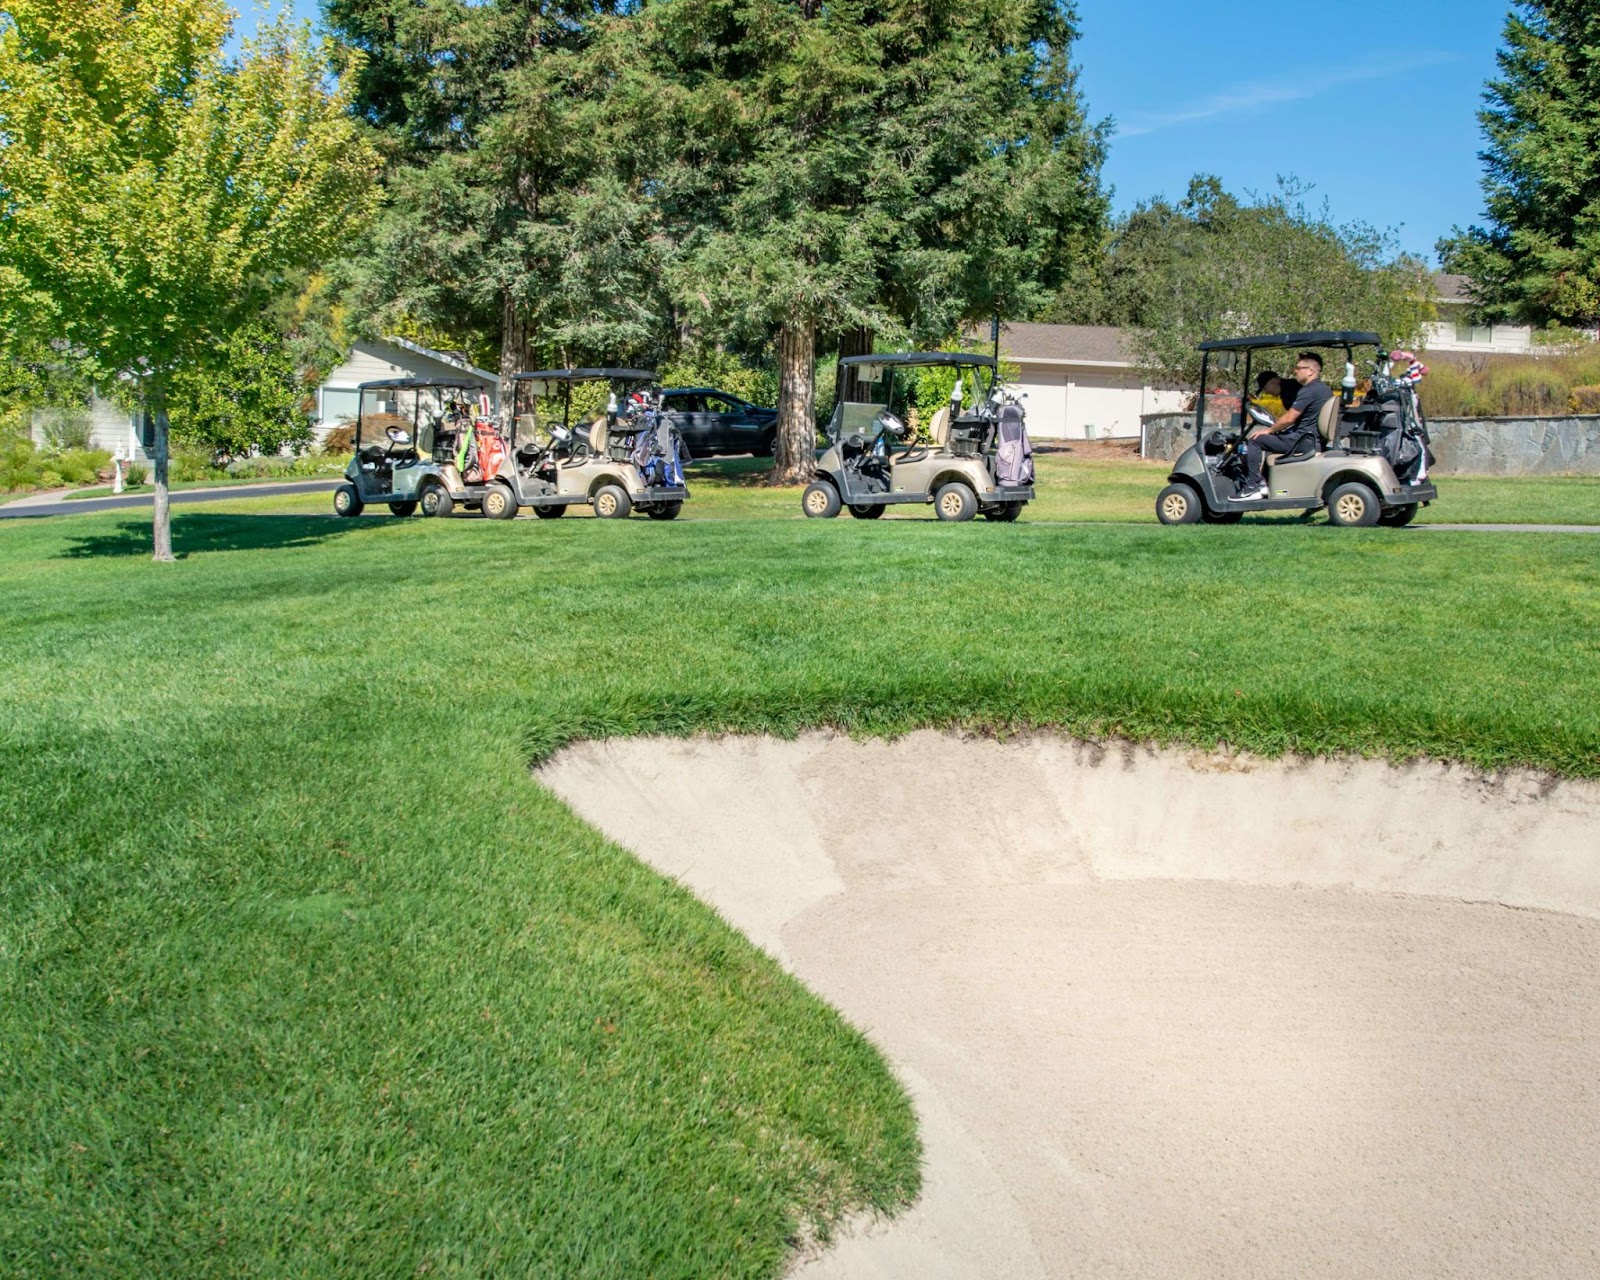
{"points": [[896, 165], [1538, 259], [510, 218]]}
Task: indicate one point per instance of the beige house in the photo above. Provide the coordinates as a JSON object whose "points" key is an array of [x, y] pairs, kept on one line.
{"points": [[1454, 330], [1081, 381]]}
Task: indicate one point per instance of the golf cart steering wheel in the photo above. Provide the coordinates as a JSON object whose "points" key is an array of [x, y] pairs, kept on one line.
{"points": [[398, 435]]}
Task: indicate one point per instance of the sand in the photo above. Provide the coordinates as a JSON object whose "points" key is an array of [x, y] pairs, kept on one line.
{"points": [[1173, 1014]]}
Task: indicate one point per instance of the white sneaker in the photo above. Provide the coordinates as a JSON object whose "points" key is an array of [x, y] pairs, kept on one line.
{"points": [[1251, 495]]}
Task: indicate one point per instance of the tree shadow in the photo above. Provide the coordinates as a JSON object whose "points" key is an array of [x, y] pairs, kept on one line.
{"points": [[198, 532]]}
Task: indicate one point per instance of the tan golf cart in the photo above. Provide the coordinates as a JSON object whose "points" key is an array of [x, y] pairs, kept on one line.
{"points": [[1367, 463], [976, 459], [625, 457]]}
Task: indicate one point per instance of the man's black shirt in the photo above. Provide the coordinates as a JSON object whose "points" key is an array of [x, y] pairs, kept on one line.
{"points": [[1309, 401]]}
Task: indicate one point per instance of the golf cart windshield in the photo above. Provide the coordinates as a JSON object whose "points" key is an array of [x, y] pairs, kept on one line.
{"points": [[869, 385], [415, 408], [1231, 368], [546, 398]]}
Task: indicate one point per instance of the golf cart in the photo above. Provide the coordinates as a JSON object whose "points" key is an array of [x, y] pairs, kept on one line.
{"points": [[1367, 462], [977, 457], [626, 457], [420, 441]]}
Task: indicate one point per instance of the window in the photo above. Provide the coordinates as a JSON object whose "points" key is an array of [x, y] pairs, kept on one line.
{"points": [[339, 404], [716, 404], [1475, 334]]}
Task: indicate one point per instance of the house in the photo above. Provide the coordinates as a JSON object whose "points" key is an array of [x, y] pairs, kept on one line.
{"points": [[1454, 330], [1081, 381], [338, 396]]}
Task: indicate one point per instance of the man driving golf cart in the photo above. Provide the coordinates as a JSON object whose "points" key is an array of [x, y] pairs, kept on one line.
{"points": [[1366, 463], [617, 452], [1291, 430], [420, 441], [977, 457]]}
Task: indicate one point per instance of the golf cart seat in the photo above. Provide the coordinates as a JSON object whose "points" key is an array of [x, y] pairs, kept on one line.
{"points": [[939, 428], [1328, 422], [597, 434]]}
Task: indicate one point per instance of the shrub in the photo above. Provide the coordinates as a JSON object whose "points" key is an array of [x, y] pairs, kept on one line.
{"points": [[66, 429], [709, 367], [1526, 390], [188, 464], [341, 440], [19, 463], [1585, 400], [49, 479], [134, 474], [1447, 392], [79, 466]]}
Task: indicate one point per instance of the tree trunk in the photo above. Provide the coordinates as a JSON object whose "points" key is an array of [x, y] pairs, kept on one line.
{"points": [[852, 342], [161, 521], [513, 354], [795, 454]]}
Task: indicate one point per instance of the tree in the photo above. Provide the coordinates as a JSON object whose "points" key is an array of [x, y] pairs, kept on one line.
{"points": [[1538, 260], [896, 167], [1212, 266], [155, 191], [513, 219], [252, 398]]}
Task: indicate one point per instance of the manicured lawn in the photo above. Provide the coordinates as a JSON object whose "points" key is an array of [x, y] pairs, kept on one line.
{"points": [[300, 973], [104, 491]]}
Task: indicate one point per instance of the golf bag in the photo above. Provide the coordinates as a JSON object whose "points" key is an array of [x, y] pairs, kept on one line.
{"points": [[1403, 430], [1013, 455], [658, 453]]}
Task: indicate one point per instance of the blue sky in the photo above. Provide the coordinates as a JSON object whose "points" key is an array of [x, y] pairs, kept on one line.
{"points": [[1387, 100]]}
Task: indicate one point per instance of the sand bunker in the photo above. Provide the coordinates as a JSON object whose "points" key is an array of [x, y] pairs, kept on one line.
{"points": [[1170, 1014]]}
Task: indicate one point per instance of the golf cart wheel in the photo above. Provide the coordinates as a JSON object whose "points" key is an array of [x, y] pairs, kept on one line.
{"points": [[346, 501], [665, 511], [955, 502], [1178, 504], [436, 501], [1353, 506], [499, 503], [1399, 517], [611, 502], [1005, 513], [549, 513], [820, 501], [402, 508], [866, 510]]}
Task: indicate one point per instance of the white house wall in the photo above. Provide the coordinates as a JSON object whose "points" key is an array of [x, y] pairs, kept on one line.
{"points": [[373, 362], [1066, 400]]}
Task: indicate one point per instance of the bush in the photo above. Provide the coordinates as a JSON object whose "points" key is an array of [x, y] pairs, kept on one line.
{"points": [[66, 430], [709, 367], [1527, 391], [189, 464], [1584, 400], [80, 466], [49, 479], [340, 440], [19, 463], [134, 474]]}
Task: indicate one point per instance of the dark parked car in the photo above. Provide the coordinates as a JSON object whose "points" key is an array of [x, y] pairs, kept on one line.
{"points": [[713, 422]]}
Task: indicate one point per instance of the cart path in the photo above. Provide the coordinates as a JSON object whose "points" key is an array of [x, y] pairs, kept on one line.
{"points": [[1168, 1014], [49, 505]]}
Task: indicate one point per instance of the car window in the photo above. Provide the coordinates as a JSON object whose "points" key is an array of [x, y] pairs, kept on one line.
{"points": [[683, 404], [720, 404]]}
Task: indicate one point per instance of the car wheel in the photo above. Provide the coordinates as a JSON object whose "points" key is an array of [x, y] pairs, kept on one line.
{"points": [[499, 503], [820, 501], [1005, 513], [955, 502], [347, 501], [402, 508], [436, 501], [1178, 504], [550, 513], [1399, 517], [866, 510], [666, 510], [611, 502], [1353, 506], [768, 445]]}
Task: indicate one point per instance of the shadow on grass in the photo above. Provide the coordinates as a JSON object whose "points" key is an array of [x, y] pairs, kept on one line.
{"points": [[191, 533]]}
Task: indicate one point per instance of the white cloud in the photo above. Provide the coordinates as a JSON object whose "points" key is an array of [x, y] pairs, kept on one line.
{"points": [[1268, 94]]}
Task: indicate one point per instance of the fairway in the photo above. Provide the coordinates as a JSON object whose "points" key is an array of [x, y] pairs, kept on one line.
{"points": [[301, 972]]}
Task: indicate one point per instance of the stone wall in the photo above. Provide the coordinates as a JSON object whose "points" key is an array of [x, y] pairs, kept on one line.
{"points": [[1463, 446]]}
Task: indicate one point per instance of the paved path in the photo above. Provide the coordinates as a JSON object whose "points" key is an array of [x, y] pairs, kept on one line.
{"points": [[51, 505]]}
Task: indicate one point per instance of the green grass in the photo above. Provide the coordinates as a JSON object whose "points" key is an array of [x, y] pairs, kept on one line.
{"points": [[229, 482], [301, 973]]}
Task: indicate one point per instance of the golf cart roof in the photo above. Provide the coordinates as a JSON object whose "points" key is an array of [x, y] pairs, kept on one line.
{"points": [[465, 384], [585, 375], [922, 358], [1317, 338]]}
